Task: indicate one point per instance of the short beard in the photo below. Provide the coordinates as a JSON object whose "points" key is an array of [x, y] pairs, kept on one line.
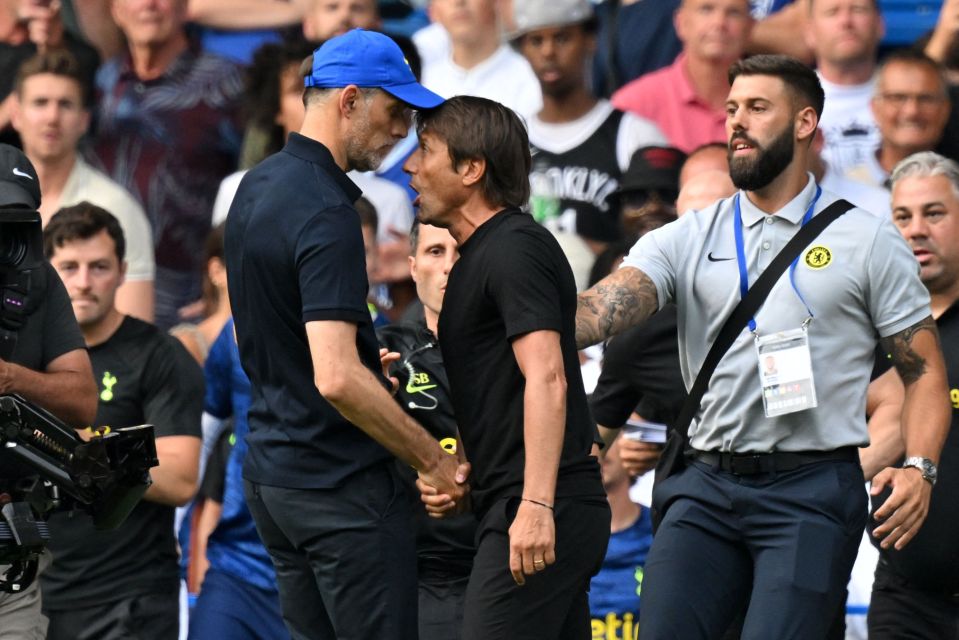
{"points": [[751, 175], [359, 155]]}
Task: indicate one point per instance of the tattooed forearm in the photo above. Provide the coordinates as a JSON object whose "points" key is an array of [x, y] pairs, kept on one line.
{"points": [[910, 364], [615, 303]]}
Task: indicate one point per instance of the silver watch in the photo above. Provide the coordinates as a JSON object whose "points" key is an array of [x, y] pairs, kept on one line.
{"points": [[925, 465]]}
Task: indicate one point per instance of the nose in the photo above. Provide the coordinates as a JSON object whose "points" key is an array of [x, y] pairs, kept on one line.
{"points": [[412, 162], [917, 228], [81, 280]]}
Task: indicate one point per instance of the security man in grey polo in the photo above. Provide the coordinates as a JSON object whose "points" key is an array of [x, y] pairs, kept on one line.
{"points": [[770, 508]]}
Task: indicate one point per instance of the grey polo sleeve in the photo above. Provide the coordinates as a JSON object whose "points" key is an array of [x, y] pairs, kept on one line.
{"points": [[895, 296], [659, 252]]}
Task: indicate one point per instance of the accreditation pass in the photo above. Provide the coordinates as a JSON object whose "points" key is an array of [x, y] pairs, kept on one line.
{"points": [[785, 372]]}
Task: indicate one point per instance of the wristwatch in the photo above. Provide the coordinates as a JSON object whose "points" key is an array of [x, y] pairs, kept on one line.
{"points": [[925, 465]]}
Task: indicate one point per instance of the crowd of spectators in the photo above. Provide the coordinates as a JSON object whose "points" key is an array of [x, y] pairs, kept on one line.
{"points": [[154, 109]]}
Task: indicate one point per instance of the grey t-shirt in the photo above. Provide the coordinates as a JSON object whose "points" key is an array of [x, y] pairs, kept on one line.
{"points": [[869, 287]]}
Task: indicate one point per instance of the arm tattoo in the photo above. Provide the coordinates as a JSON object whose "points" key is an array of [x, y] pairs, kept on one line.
{"points": [[910, 365], [615, 303]]}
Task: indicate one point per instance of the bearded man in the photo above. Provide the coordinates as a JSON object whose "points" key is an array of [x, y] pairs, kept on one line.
{"points": [[770, 508]]}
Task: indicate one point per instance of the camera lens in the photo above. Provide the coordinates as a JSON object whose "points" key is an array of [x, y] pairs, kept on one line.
{"points": [[13, 246]]}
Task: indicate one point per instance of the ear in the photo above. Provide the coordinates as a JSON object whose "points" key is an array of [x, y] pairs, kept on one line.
{"points": [[123, 274], [347, 100], [14, 103], [679, 24], [85, 119], [806, 124], [412, 263], [472, 171]]}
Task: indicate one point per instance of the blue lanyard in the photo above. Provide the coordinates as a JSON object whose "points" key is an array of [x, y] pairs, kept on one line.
{"points": [[741, 254]]}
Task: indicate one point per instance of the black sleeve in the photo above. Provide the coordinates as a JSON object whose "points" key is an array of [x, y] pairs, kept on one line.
{"points": [[524, 282], [61, 334], [641, 366], [173, 390], [882, 364], [214, 478]]}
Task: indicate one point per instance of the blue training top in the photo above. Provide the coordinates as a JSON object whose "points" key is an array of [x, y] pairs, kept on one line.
{"points": [[234, 546]]}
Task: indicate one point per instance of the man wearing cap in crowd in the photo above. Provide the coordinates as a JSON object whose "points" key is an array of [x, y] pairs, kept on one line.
{"points": [[318, 476], [572, 135], [647, 192], [45, 360]]}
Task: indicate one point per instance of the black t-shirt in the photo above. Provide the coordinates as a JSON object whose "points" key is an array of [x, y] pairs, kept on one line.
{"points": [[511, 279], [447, 543], [144, 376], [49, 332], [931, 560], [641, 368], [294, 253]]}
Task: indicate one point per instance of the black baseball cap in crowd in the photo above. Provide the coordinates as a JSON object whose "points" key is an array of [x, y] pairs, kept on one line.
{"points": [[19, 184], [652, 168]]}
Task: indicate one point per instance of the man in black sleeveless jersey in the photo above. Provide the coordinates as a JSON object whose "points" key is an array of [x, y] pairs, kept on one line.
{"points": [[572, 136]]}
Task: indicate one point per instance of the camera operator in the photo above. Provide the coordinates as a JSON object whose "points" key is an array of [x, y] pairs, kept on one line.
{"points": [[42, 355], [122, 583]]}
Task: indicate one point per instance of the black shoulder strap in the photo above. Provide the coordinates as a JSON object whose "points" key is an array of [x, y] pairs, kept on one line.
{"points": [[749, 305]]}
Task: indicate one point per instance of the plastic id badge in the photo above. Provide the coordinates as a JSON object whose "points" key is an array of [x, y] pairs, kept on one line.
{"points": [[785, 372]]}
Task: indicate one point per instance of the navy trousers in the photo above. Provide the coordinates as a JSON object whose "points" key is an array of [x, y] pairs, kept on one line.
{"points": [[782, 542], [345, 558]]}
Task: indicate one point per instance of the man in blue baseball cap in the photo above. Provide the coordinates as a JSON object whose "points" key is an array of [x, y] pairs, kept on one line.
{"points": [[323, 428]]}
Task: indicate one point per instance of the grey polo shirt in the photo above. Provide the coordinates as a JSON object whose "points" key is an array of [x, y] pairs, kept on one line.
{"points": [[870, 286]]}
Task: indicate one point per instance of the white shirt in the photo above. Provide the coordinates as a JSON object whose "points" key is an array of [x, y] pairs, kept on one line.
{"points": [[87, 184], [865, 196], [505, 77], [847, 124], [635, 132], [393, 207]]}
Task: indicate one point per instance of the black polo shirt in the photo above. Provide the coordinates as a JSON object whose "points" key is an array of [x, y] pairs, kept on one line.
{"points": [[294, 254], [511, 279]]}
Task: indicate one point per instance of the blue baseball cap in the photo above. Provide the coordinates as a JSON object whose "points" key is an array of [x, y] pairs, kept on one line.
{"points": [[368, 59]]}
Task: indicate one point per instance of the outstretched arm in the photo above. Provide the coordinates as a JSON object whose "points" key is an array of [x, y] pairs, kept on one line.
{"points": [[615, 303], [917, 356]]}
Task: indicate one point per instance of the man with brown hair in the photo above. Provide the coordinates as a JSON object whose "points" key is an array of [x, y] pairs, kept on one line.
{"points": [[51, 114], [507, 336]]}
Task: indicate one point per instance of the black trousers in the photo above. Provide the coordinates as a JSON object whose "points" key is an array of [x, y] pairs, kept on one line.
{"points": [[783, 542], [900, 611], [344, 558], [553, 604], [442, 598], [153, 616]]}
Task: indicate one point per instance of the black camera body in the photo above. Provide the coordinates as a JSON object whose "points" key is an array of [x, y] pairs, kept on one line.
{"points": [[44, 464]]}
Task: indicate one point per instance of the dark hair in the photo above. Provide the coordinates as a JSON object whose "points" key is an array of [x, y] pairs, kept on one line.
{"points": [[58, 62], [915, 57], [477, 128], [368, 215], [262, 96], [81, 222], [212, 250], [414, 235], [801, 81]]}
